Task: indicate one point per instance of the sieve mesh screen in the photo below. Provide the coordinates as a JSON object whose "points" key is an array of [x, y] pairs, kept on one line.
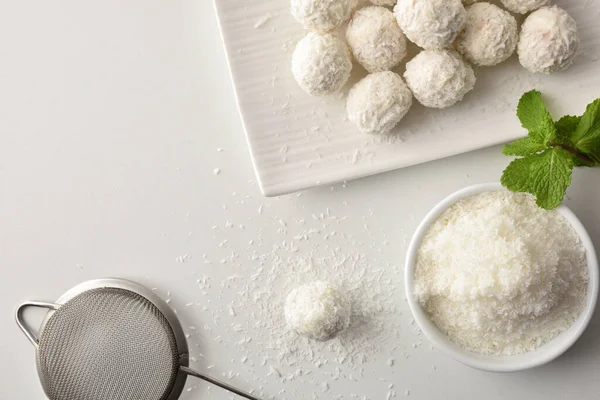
{"points": [[108, 344]]}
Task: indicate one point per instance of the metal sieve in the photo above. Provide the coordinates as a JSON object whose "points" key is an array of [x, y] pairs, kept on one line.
{"points": [[110, 339]]}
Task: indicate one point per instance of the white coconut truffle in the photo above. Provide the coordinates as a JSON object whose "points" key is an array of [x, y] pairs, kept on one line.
{"points": [[548, 41], [378, 102], [389, 3], [322, 15], [489, 36], [524, 6], [317, 310], [439, 78], [321, 64], [375, 39], [431, 24]]}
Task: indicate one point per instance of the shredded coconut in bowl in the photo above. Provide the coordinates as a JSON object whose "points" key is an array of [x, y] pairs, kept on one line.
{"points": [[500, 276]]}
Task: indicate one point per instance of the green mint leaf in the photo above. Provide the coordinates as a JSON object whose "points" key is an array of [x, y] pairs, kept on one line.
{"points": [[535, 117], [546, 175], [522, 147], [578, 162], [565, 127], [586, 137]]}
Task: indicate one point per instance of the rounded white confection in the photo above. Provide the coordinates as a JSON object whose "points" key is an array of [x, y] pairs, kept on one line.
{"points": [[430, 24], [317, 311], [322, 15], [389, 3], [321, 64], [489, 36], [439, 78], [524, 6], [378, 102], [548, 41], [375, 39]]}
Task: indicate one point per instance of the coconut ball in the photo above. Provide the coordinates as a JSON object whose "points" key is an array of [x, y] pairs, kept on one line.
{"points": [[524, 6], [548, 41], [317, 310], [378, 102], [389, 3], [322, 15], [321, 64], [439, 78], [430, 24], [375, 39], [489, 36]]}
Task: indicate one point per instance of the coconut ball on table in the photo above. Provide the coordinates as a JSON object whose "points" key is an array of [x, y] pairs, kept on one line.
{"points": [[375, 39], [439, 78], [548, 40], [322, 15], [430, 24], [321, 63], [378, 102], [524, 6], [317, 310], [489, 36]]}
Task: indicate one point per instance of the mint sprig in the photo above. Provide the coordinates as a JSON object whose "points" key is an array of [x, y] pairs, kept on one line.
{"points": [[551, 150]]}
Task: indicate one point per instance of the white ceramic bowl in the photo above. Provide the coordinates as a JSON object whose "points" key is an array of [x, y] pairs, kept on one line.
{"points": [[545, 353]]}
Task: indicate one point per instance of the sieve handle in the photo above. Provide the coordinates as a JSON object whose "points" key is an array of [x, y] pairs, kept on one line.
{"points": [[218, 383], [21, 322]]}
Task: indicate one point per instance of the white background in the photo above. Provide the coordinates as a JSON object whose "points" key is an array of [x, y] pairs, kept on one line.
{"points": [[111, 115]]}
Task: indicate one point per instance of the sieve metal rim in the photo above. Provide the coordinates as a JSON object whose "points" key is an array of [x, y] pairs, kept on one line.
{"points": [[131, 286]]}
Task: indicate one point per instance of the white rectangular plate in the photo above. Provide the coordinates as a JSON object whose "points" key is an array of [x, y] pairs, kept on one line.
{"points": [[298, 141]]}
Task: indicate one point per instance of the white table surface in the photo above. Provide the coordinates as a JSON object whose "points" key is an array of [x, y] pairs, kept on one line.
{"points": [[112, 113]]}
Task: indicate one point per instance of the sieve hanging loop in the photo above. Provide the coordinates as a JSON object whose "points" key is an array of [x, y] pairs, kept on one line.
{"points": [[21, 322]]}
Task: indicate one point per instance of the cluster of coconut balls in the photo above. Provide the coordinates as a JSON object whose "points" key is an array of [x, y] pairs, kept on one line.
{"points": [[452, 37]]}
